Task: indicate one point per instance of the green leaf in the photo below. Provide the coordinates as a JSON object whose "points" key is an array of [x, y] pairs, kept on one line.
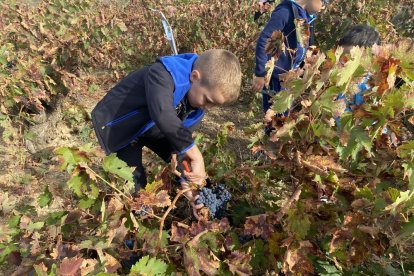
{"points": [[350, 67], [409, 173], [45, 198], [118, 167], [357, 141], [258, 260], [282, 101], [298, 222], [394, 193], [407, 230], [14, 221], [406, 150], [7, 203], [149, 267], [150, 237], [86, 203], [35, 226], [404, 198], [393, 102], [54, 218], [75, 184], [5, 251], [324, 268], [209, 240], [365, 193], [71, 157]]}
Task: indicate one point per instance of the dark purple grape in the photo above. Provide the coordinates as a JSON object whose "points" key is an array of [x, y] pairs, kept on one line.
{"points": [[215, 200]]}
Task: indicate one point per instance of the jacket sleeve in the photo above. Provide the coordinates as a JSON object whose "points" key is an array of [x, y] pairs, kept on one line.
{"points": [[159, 88], [278, 20]]}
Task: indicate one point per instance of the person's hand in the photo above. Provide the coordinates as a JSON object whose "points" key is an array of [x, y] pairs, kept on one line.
{"points": [[258, 84], [192, 196], [198, 171]]}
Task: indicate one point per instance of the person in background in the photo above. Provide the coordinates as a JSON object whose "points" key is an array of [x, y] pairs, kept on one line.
{"points": [[294, 19], [357, 36]]}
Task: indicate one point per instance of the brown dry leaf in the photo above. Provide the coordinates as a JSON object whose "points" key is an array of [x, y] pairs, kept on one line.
{"points": [[196, 260], [291, 75], [161, 199], [296, 261], [70, 267], [411, 120], [24, 222], [35, 245], [41, 267], [197, 227], [179, 233], [259, 226], [344, 235], [372, 230], [325, 163], [114, 205], [239, 263], [118, 234], [275, 44], [269, 67], [111, 264], [385, 78], [359, 203], [73, 216], [3, 109], [15, 258], [270, 154], [88, 266]]}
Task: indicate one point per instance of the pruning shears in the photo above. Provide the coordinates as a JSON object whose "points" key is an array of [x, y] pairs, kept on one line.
{"points": [[180, 165]]}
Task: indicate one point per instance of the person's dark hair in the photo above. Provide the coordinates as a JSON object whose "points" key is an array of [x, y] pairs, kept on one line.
{"points": [[360, 35]]}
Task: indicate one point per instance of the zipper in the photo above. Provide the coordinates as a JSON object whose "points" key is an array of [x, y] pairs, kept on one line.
{"points": [[120, 119]]}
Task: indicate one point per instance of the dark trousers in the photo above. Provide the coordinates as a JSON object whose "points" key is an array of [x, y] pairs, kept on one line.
{"points": [[155, 141], [132, 155]]}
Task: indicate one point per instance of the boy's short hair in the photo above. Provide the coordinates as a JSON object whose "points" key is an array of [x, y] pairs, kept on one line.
{"points": [[360, 35], [220, 69]]}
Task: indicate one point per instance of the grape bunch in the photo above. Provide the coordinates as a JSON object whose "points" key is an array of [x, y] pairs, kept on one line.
{"points": [[144, 211], [245, 238], [215, 200]]}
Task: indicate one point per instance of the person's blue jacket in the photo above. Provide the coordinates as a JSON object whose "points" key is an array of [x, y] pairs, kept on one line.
{"points": [[282, 19], [146, 99]]}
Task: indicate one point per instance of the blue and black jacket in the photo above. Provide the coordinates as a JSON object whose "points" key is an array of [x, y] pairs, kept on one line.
{"points": [[282, 19], [152, 97]]}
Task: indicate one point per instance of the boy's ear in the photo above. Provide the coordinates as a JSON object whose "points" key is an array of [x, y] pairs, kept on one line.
{"points": [[195, 75]]}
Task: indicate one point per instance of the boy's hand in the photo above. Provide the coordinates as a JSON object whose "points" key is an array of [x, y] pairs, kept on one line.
{"points": [[198, 172], [192, 196], [258, 84]]}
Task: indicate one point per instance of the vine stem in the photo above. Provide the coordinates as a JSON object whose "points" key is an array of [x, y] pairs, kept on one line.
{"points": [[172, 205], [107, 183]]}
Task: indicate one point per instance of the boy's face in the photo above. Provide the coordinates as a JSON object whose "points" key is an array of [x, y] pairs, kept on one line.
{"points": [[201, 97], [314, 6]]}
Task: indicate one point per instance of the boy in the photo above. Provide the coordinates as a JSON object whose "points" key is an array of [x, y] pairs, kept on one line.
{"points": [[362, 36], [285, 18], [359, 35], [160, 105]]}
